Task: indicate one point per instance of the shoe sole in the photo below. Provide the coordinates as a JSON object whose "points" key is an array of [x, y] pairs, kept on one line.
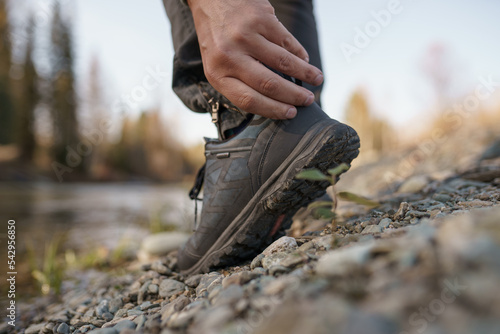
{"points": [[249, 233]]}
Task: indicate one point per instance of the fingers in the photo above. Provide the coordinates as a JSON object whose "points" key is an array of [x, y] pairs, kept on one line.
{"points": [[285, 62], [280, 50], [249, 100], [276, 33], [272, 85]]}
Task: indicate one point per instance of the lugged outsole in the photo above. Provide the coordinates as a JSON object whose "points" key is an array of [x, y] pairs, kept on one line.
{"points": [[287, 198]]}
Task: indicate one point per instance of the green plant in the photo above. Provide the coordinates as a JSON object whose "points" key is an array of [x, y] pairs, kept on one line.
{"points": [[326, 209], [49, 274]]}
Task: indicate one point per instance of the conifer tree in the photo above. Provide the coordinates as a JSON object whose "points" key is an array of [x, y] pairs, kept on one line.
{"points": [[28, 100], [63, 102], [6, 99]]}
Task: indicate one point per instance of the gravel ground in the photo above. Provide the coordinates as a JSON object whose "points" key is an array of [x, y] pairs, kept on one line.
{"points": [[427, 260]]}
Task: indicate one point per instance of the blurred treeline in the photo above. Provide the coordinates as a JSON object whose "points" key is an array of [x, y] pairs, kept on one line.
{"points": [[48, 128]]}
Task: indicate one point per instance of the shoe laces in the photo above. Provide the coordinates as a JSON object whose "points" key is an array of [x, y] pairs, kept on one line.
{"points": [[195, 192]]}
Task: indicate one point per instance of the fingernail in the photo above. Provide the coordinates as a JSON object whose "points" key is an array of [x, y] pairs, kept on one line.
{"points": [[309, 100], [306, 59], [319, 79], [291, 113]]}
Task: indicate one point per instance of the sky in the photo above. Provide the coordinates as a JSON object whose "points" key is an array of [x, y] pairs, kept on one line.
{"points": [[131, 38]]}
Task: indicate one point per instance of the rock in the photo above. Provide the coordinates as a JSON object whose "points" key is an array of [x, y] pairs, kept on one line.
{"points": [[163, 243], [274, 259], [384, 223], [153, 289], [135, 312], [259, 271], [278, 270], [120, 313], [414, 184], [213, 320], [63, 328], [403, 208], [257, 261], [341, 261], [107, 316], [294, 259], [206, 281], [115, 304], [34, 329], [278, 285], [322, 242], [443, 198], [124, 324], [239, 278], [140, 321], [102, 308], [371, 229], [160, 268], [229, 295], [176, 306], [104, 331], [193, 281], [170, 287], [183, 319], [281, 245]]}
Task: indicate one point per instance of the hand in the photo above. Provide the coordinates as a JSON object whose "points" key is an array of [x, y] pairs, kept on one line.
{"points": [[236, 39]]}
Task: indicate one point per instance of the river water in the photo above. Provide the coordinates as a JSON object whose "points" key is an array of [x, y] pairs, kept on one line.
{"points": [[90, 215]]}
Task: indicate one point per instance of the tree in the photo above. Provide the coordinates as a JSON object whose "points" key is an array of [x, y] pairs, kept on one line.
{"points": [[375, 134], [28, 100], [6, 99], [63, 102]]}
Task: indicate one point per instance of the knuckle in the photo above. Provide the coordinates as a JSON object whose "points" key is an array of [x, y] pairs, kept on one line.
{"points": [[285, 62], [246, 101], [287, 42], [269, 86]]}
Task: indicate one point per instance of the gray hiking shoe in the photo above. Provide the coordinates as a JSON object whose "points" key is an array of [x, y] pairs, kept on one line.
{"points": [[251, 194]]}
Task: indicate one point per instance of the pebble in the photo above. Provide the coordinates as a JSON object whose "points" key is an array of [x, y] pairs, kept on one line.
{"points": [[281, 245], [384, 223], [414, 184], [63, 328], [229, 296], [140, 321], [443, 198], [176, 306], [104, 331], [257, 261], [124, 324], [170, 287], [341, 261], [371, 229], [239, 278], [403, 208], [134, 312], [193, 281], [115, 304]]}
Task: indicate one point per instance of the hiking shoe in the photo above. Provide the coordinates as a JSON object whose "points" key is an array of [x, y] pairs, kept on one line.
{"points": [[250, 190]]}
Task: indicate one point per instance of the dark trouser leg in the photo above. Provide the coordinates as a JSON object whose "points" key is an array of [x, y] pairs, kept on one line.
{"points": [[189, 81]]}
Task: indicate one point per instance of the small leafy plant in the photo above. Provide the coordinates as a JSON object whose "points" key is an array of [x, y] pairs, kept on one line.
{"points": [[50, 273], [326, 209]]}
